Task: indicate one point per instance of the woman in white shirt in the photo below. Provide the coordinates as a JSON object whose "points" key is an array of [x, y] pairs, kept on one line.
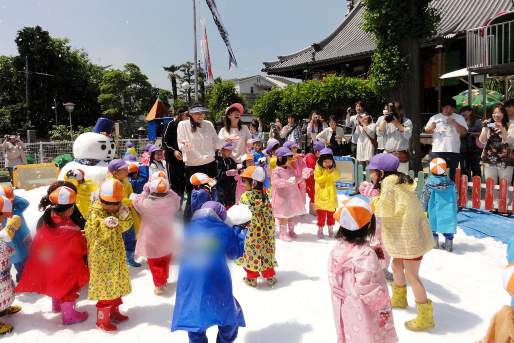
{"points": [[197, 139], [233, 127], [316, 125], [366, 129], [332, 136]]}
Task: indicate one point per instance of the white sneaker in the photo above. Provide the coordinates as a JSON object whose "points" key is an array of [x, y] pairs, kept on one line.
{"points": [[320, 232], [161, 289]]}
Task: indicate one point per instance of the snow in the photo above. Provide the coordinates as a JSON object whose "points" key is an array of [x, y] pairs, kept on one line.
{"points": [[465, 287]]}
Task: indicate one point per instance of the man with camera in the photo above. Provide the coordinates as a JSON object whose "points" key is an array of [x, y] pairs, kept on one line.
{"points": [[447, 128], [396, 131], [14, 153], [292, 132], [351, 121]]}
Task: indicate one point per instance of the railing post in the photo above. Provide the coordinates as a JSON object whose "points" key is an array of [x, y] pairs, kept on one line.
{"points": [[41, 155], [421, 183]]}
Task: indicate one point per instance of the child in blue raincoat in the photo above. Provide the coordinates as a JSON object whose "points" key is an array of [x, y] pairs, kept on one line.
{"points": [[260, 160], [439, 200], [204, 287], [138, 176], [18, 247]]}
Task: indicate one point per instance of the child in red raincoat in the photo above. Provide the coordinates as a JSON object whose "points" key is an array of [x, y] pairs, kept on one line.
{"points": [[55, 266]]}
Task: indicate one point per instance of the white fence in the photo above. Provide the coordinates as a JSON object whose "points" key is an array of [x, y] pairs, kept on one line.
{"points": [[45, 152]]}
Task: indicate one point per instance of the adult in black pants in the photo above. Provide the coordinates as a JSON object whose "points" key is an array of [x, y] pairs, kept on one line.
{"points": [[175, 165], [197, 139]]}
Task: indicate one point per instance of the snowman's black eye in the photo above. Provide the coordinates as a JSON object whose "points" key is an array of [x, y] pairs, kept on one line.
{"points": [[103, 147], [112, 145]]}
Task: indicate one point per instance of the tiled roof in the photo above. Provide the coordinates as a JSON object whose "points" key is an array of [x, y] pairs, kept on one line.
{"points": [[348, 40]]}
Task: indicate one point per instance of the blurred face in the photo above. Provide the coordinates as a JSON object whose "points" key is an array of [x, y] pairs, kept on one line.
{"points": [[290, 121], [257, 146], [234, 116], [198, 117], [510, 110], [157, 155], [327, 164], [448, 110], [226, 153], [184, 116], [466, 114], [294, 150], [497, 115], [249, 163], [359, 108], [110, 207], [289, 160], [121, 174], [252, 129], [277, 121], [333, 124], [374, 175], [247, 183]]}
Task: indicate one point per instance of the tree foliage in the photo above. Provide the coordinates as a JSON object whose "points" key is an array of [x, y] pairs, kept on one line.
{"points": [[223, 95], [62, 133], [332, 95], [390, 22]]}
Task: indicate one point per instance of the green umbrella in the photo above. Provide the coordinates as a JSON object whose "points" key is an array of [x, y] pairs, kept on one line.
{"points": [[62, 160], [493, 98]]}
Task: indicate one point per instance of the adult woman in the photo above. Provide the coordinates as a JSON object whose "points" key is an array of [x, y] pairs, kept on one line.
{"points": [[174, 162], [274, 131], [254, 130], [366, 130], [197, 140], [14, 154], [332, 136], [498, 137], [470, 153], [233, 127], [316, 125]]}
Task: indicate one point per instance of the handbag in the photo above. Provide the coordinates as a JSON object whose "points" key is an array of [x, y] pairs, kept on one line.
{"points": [[372, 140], [403, 156]]}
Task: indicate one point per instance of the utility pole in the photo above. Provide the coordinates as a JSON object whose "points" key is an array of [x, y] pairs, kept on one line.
{"points": [[27, 89], [196, 57]]}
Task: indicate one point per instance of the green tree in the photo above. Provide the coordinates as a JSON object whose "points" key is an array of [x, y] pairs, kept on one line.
{"points": [[187, 70], [126, 95], [62, 133], [223, 95], [398, 29], [172, 75]]}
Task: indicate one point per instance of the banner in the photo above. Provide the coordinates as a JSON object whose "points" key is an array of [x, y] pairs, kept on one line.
{"points": [[206, 58], [224, 34]]}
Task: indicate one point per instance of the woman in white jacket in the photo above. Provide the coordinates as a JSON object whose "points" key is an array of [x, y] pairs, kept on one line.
{"points": [[332, 136], [197, 139], [233, 126]]}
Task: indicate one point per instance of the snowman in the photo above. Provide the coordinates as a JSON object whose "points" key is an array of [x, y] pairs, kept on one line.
{"points": [[93, 151]]}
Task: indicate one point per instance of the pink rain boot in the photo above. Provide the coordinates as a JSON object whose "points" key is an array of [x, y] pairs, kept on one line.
{"points": [[56, 305], [292, 234], [70, 316], [283, 236]]}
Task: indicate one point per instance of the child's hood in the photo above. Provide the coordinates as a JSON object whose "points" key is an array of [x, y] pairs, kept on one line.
{"points": [[439, 182], [159, 206]]}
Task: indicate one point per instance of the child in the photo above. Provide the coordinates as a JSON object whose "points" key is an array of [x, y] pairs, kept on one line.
{"points": [[156, 239], [137, 176], [271, 149], [439, 200], [204, 190], [226, 185], [326, 175], [130, 149], [259, 158], [246, 161], [155, 162], [406, 232], [55, 266], [204, 287], [299, 166], [84, 188], [6, 282], [158, 174], [107, 219], [310, 161], [19, 245], [259, 255], [145, 157], [286, 198], [362, 308], [119, 171]]}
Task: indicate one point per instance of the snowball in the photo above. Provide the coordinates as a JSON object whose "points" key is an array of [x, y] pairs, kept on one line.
{"points": [[238, 214]]}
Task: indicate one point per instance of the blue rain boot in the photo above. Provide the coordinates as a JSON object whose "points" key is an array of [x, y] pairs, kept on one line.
{"points": [[448, 245], [436, 239], [130, 260]]}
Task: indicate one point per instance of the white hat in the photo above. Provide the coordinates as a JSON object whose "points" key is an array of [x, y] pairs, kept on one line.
{"points": [[79, 174], [254, 172], [354, 214], [111, 190], [159, 185], [158, 174], [5, 206], [198, 179], [63, 196]]}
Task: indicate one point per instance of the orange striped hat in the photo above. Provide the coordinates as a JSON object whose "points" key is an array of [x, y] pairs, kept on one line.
{"points": [[111, 190], [354, 214], [63, 196], [79, 174], [198, 179], [7, 192], [159, 185], [133, 168], [438, 166], [158, 174], [508, 279], [255, 173], [5, 206]]}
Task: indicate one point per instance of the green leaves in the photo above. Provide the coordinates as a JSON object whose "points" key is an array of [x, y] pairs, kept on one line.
{"points": [[223, 95]]}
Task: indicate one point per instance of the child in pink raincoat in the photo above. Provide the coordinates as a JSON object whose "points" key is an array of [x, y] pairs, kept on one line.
{"points": [[156, 240], [286, 199], [247, 160], [300, 167], [361, 303]]}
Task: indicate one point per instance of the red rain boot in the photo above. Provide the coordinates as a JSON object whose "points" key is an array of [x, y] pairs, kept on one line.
{"points": [[116, 316], [103, 321]]}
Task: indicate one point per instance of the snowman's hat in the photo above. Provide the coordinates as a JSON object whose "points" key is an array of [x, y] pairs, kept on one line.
{"points": [[104, 126]]}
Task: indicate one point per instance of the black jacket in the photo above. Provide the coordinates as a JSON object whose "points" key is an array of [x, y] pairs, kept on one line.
{"points": [[226, 185]]}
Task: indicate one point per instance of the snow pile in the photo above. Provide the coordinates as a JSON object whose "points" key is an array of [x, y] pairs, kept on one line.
{"points": [[465, 286]]}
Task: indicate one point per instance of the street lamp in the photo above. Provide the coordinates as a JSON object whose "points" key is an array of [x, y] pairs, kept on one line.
{"points": [[54, 107], [70, 107], [186, 86]]}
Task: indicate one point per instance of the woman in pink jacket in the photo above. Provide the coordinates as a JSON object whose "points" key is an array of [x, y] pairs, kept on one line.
{"points": [[156, 240], [286, 199], [361, 303]]}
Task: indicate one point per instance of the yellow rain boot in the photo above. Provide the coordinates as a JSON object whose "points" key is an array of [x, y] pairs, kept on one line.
{"points": [[424, 320], [399, 298], [5, 328]]}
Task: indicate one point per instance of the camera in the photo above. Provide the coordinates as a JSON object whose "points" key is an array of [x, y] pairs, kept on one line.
{"points": [[392, 113], [351, 111], [306, 120], [490, 123]]}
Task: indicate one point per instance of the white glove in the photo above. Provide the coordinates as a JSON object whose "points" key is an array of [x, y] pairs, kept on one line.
{"points": [[132, 196], [292, 180], [262, 161]]}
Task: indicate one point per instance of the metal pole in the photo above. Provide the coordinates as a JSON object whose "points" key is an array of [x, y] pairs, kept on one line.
{"points": [[71, 128], [27, 89], [55, 108], [196, 57], [439, 71]]}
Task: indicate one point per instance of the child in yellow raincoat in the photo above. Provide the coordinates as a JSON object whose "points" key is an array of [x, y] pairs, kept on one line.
{"points": [[84, 189], [325, 198], [119, 170], [107, 219]]}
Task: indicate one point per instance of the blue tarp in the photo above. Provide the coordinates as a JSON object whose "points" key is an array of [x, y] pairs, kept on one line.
{"points": [[481, 224]]}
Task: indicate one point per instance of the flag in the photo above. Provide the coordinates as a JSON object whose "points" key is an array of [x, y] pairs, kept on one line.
{"points": [[206, 58], [224, 34]]}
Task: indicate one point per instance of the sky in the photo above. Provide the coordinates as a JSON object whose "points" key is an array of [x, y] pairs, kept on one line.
{"points": [[158, 33]]}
